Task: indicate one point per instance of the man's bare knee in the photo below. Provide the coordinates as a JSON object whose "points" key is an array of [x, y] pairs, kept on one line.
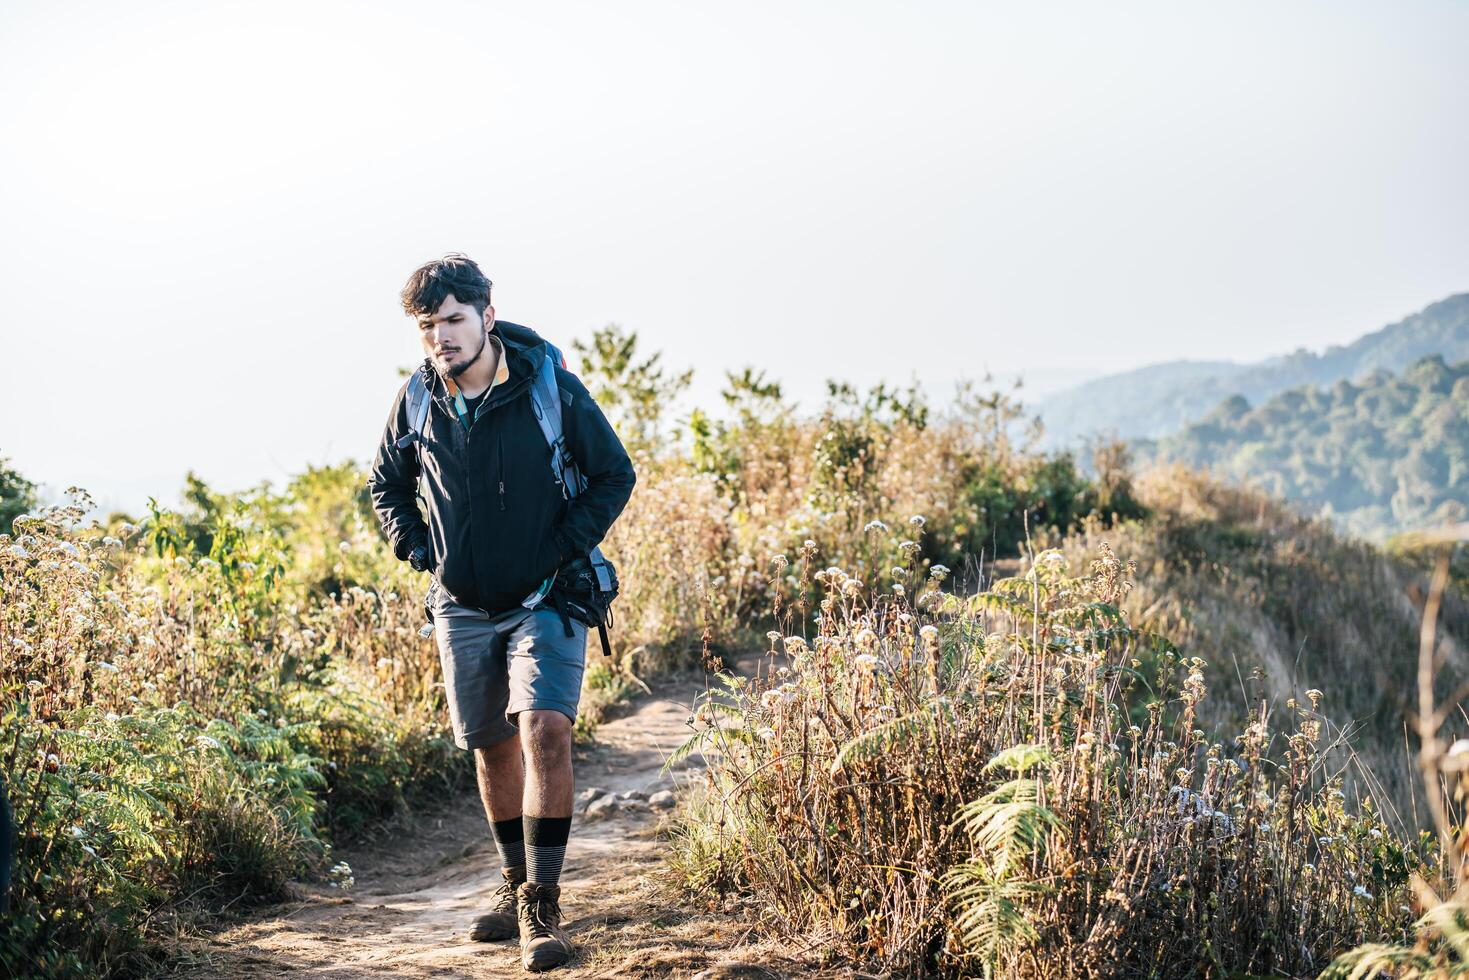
{"points": [[546, 735], [489, 758]]}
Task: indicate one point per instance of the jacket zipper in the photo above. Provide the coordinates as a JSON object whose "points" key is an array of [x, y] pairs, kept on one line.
{"points": [[500, 452]]}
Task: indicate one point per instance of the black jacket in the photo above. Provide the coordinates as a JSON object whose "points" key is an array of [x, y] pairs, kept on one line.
{"points": [[497, 523]]}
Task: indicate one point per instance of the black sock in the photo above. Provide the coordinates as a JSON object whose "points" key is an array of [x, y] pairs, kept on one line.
{"points": [[545, 848], [510, 840]]}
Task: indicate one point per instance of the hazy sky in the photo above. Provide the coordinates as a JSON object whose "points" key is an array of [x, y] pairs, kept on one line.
{"points": [[207, 209]]}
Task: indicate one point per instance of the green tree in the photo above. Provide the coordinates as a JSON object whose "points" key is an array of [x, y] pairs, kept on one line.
{"points": [[17, 494], [634, 393]]}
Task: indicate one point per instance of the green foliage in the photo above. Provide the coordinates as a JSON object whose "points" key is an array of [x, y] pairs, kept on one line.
{"points": [[1382, 454], [185, 723], [17, 494], [1007, 829], [635, 394], [736, 452]]}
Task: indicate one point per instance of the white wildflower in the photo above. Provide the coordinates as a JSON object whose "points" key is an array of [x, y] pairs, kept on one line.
{"points": [[341, 876], [916, 520], [874, 525], [1361, 892]]}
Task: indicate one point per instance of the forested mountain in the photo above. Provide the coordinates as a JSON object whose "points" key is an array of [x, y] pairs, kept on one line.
{"points": [[1159, 400], [1380, 454]]}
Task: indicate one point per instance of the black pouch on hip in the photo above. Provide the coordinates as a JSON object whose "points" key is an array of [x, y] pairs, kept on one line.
{"points": [[584, 590]]}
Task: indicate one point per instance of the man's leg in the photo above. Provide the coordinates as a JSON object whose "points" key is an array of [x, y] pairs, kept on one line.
{"points": [[500, 771], [545, 736], [545, 685], [472, 653]]}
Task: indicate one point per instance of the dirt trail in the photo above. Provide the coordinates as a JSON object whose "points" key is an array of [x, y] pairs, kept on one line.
{"points": [[416, 894]]}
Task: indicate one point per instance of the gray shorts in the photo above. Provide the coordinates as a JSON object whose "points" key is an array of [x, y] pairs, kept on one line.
{"points": [[498, 666]]}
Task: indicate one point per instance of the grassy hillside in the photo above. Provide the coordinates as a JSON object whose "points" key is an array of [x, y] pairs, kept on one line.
{"points": [[1277, 604], [1158, 400], [1386, 453]]}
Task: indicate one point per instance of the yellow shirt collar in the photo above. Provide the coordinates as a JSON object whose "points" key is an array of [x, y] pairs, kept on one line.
{"points": [[502, 372]]}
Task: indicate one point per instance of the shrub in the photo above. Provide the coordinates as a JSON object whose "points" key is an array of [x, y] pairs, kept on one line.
{"points": [[935, 784]]}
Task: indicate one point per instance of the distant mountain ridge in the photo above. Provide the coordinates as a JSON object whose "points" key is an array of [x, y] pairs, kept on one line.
{"points": [[1158, 400]]}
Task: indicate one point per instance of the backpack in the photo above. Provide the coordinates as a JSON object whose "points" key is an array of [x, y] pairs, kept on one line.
{"points": [[588, 585]]}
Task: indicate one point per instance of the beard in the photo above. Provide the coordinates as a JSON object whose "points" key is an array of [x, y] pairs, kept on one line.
{"points": [[456, 370]]}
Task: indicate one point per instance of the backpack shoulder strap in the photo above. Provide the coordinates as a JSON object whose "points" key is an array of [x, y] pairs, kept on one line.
{"points": [[418, 399], [546, 401]]}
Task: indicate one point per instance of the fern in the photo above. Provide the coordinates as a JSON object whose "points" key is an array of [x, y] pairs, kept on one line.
{"points": [[700, 739], [1018, 758], [991, 921], [888, 735], [1368, 961], [1007, 827]]}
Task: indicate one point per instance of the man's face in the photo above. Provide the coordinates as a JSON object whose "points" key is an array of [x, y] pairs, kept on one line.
{"points": [[454, 336]]}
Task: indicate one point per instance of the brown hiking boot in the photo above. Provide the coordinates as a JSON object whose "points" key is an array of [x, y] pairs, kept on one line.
{"points": [[544, 945], [500, 921]]}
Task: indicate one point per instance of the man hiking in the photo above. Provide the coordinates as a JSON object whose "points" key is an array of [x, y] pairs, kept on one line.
{"points": [[504, 531]]}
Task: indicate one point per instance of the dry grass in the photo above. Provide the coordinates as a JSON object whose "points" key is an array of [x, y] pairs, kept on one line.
{"points": [[991, 784]]}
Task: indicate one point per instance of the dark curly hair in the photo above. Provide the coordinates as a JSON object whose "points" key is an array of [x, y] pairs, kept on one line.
{"points": [[432, 282]]}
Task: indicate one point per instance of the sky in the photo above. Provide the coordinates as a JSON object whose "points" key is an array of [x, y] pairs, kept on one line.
{"points": [[207, 210]]}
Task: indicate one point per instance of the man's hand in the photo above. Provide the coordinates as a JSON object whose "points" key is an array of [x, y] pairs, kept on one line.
{"points": [[418, 558]]}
